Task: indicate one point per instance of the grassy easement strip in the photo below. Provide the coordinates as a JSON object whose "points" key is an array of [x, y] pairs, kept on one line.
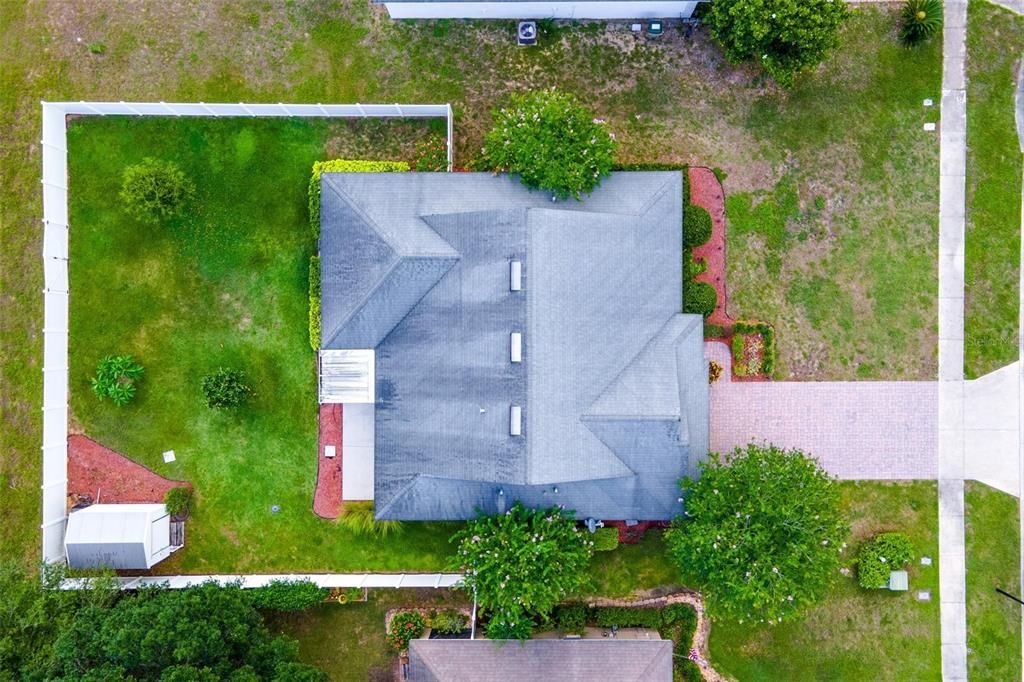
{"points": [[993, 560], [855, 634], [995, 41]]}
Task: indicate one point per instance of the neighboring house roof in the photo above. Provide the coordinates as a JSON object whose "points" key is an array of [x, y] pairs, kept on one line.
{"points": [[565, 660], [612, 384]]}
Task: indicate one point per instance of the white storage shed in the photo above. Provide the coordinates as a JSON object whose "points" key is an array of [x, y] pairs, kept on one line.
{"points": [[120, 536]]}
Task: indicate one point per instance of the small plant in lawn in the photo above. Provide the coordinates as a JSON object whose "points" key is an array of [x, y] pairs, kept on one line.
{"points": [[448, 622], [714, 372], [431, 154], [288, 595], [97, 48], [881, 555], [920, 20], [155, 189], [116, 377], [405, 627], [357, 517], [606, 539], [314, 302], [176, 500], [696, 226], [699, 298], [225, 388], [551, 142]]}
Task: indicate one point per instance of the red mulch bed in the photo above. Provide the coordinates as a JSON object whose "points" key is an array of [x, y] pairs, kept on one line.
{"points": [[103, 475], [706, 191], [327, 499]]}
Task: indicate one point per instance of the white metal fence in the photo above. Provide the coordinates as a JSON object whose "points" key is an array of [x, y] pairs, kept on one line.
{"points": [[329, 580], [55, 258]]}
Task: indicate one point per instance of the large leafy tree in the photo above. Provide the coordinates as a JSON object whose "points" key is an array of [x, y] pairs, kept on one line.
{"points": [[205, 632], [521, 563], [551, 142], [762, 532], [784, 36]]}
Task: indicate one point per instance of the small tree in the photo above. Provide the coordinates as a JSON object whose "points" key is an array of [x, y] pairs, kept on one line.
{"points": [[551, 142], [176, 500], [920, 20], [115, 378], [762, 533], [521, 563], [784, 36], [155, 189], [225, 388]]}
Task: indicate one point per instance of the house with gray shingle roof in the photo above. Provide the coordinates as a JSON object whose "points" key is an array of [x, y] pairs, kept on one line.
{"points": [[514, 348], [565, 660]]}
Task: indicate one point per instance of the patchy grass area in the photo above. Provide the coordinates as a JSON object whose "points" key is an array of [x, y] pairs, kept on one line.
{"points": [[993, 560], [633, 568], [995, 42], [347, 642], [856, 634], [222, 286], [844, 148]]}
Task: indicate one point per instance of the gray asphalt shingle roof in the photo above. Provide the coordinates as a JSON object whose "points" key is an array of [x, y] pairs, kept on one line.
{"points": [[565, 660], [612, 383]]}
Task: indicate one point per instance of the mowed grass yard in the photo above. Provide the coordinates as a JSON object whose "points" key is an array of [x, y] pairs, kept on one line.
{"points": [[995, 42], [225, 285], [993, 560]]}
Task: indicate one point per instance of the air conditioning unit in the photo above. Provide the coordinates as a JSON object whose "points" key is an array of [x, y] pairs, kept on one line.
{"points": [[526, 34]]}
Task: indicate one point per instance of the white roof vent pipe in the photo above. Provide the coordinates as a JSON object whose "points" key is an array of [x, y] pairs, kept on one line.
{"points": [[517, 347], [515, 426], [515, 275]]}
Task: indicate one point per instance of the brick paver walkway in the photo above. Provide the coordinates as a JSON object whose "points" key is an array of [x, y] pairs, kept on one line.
{"points": [[327, 498], [883, 430]]}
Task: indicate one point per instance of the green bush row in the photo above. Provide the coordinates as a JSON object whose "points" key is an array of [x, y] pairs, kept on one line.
{"points": [[288, 595], [767, 333], [343, 166], [696, 226], [314, 302]]}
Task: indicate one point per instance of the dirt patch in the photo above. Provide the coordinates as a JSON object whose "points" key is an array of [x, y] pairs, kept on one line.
{"points": [[103, 475]]}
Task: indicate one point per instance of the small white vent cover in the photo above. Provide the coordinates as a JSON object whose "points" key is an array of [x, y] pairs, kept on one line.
{"points": [[517, 347], [515, 426], [515, 275]]}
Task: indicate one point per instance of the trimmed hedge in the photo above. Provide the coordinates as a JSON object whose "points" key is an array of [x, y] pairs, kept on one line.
{"points": [[343, 166], [696, 226], [880, 555], [288, 595], [606, 539], [685, 670], [628, 617], [767, 333], [699, 298], [571, 618], [314, 302]]}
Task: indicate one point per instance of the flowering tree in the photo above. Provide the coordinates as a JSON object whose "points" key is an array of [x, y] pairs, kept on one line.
{"points": [[552, 142], [521, 563], [762, 532], [784, 36]]}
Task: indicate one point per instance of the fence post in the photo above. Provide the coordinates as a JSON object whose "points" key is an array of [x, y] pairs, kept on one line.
{"points": [[245, 108], [451, 133]]}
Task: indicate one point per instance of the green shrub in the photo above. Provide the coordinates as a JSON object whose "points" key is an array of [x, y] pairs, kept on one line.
{"points": [[685, 670], [432, 154], [571, 618], [552, 142], [881, 555], [155, 189], [739, 358], [605, 539], [696, 226], [343, 166], [314, 302], [699, 298], [682, 619], [288, 595], [225, 388], [628, 617], [767, 333], [920, 20], [448, 622], [714, 331], [514, 626], [405, 626], [176, 500], [691, 266], [357, 517], [116, 376]]}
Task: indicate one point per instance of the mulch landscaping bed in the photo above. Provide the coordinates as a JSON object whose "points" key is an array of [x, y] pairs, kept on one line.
{"points": [[103, 475], [706, 191], [327, 498]]}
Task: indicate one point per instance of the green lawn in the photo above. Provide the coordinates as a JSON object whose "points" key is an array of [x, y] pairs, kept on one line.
{"points": [[993, 560], [995, 42], [855, 634], [224, 285], [348, 641], [632, 568]]}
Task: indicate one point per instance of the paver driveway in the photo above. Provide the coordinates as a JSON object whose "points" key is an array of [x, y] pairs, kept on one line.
{"points": [[856, 429]]}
